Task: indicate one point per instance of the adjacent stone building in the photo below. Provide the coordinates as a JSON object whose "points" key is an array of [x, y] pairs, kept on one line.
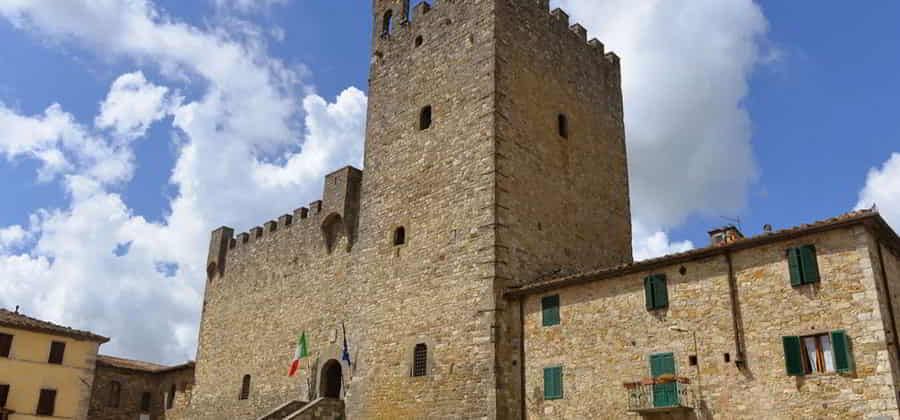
{"points": [[134, 390], [443, 282]]}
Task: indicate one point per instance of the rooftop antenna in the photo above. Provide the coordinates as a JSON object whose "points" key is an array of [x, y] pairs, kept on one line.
{"points": [[736, 221]]}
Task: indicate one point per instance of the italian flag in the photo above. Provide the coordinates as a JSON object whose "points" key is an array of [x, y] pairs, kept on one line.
{"points": [[299, 353]]}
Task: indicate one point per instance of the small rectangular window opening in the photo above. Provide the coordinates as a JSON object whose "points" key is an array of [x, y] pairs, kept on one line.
{"points": [[425, 118], [692, 360], [46, 402], [563, 126], [420, 360], [5, 345], [727, 357], [57, 353]]}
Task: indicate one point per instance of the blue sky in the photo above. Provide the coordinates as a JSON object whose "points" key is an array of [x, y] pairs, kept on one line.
{"points": [[213, 112]]}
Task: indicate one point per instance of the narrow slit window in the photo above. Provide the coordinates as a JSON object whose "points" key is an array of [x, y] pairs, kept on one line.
{"points": [[425, 118], [245, 388], [563, 126], [387, 24], [420, 360], [400, 236]]}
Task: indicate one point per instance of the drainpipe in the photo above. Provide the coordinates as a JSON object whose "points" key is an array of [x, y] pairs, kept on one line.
{"points": [[739, 361], [523, 407], [887, 295]]}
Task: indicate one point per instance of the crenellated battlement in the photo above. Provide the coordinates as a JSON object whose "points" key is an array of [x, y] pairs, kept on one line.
{"points": [[340, 204], [411, 25]]}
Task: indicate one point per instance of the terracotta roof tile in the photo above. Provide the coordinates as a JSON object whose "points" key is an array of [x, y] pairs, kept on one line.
{"points": [[16, 320], [118, 362], [854, 217]]}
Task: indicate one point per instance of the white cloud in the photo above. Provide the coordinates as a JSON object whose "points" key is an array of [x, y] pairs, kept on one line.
{"points": [[686, 65], [133, 104], [248, 6], [883, 189], [12, 236], [651, 244], [241, 151]]}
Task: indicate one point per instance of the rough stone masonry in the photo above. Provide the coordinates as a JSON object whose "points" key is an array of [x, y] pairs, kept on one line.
{"points": [[496, 162]]}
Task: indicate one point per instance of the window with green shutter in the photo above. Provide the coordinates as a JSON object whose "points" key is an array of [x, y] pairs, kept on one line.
{"points": [[553, 383], [843, 358], [550, 310], [819, 353], [804, 266], [656, 292], [793, 356]]}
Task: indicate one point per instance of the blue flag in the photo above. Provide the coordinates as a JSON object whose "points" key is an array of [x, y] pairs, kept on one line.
{"points": [[346, 353]]}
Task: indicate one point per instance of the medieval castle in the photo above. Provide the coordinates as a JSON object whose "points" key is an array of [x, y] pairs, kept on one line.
{"points": [[481, 266]]}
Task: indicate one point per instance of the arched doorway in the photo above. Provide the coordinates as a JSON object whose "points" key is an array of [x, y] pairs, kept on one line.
{"points": [[331, 379]]}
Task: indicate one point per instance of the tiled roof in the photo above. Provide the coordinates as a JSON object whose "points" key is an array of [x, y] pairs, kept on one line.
{"points": [[853, 218], [118, 362], [16, 320]]}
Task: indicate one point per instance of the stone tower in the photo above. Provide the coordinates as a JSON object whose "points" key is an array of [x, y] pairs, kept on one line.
{"points": [[495, 155], [521, 173]]}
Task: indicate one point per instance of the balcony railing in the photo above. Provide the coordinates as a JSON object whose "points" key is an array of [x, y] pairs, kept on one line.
{"points": [[660, 395]]}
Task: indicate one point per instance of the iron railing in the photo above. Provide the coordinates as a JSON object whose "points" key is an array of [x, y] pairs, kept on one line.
{"points": [[660, 395]]}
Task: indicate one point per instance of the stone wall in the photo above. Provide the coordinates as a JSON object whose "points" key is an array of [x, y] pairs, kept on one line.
{"points": [[562, 202], [487, 194], [607, 334], [133, 384]]}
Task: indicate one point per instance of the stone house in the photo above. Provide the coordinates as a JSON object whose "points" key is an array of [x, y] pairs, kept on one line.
{"points": [[496, 172], [134, 390], [794, 324]]}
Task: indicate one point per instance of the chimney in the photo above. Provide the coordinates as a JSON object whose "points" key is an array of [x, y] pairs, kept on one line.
{"points": [[725, 236]]}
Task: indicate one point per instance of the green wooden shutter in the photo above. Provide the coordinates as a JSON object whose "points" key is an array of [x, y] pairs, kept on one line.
{"points": [[553, 387], [809, 263], [648, 292], [793, 356], [550, 310], [660, 292], [840, 345], [794, 263]]}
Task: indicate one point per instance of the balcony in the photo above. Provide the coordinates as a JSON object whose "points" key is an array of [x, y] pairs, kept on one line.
{"points": [[666, 394]]}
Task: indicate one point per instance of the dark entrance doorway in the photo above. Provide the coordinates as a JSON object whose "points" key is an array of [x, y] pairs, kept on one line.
{"points": [[331, 379]]}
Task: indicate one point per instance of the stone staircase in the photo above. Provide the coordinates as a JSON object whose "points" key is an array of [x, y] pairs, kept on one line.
{"points": [[319, 409]]}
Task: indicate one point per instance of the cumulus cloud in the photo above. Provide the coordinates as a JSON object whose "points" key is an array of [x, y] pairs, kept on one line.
{"points": [[247, 149], [249, 6], [133, 104], [883, 189], [685, 65]]}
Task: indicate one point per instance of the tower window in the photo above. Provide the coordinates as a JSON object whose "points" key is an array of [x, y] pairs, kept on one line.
{"points": [[425, 118], [419, 41], [400, 236], [245, 388], [420, 360], [563, 126], [387, 24]]}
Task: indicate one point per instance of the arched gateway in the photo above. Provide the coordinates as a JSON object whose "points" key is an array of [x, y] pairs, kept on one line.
{"points": [[332, 379]]}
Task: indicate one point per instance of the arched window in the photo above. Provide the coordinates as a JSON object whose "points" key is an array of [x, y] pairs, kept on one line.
{"points": [[115, 394], [170, 400], [387, 23], [400, 236], [425, 118], [420, 360], [563, 126], [245, 388]]}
